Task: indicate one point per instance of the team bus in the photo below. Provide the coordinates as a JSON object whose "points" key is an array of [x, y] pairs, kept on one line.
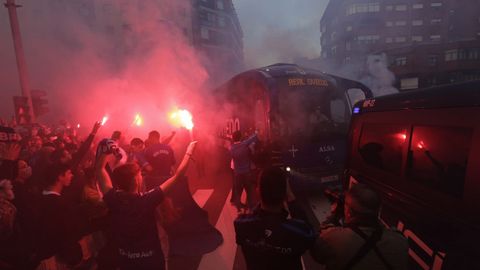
{"points": [[301, 116], [421, 151]]}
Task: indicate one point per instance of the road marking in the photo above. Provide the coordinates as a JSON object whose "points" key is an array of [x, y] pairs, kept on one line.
{"points": [[223, 257], [201, 196]]}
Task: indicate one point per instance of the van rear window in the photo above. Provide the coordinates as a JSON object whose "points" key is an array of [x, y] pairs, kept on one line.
{"points": [[381, 146], [438, 157]]}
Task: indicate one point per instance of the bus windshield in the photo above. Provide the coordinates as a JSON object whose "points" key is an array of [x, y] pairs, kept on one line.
{"points": [[309, 114]]}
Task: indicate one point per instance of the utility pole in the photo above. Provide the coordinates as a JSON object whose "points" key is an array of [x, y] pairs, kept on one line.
{"points": [[21, 63]]}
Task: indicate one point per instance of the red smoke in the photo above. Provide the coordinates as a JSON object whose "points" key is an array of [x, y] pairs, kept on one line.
{"points": [[128, 59]]}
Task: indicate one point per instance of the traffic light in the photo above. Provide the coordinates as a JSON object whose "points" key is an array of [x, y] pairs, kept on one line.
{"points": [[38, 102], [21, 110]]}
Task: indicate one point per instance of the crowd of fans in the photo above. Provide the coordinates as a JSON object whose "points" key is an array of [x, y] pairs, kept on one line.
{"points": [[68, 202], [57, 187]]}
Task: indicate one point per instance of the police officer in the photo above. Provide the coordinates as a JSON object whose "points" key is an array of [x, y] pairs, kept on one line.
{"points": [[363, 242]]}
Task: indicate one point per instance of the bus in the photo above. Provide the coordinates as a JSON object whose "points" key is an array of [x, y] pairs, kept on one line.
{"points": [[301, 116], [421, 151]]}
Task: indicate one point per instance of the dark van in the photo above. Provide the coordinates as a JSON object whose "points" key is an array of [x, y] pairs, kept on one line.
{"points": [[421, 151]]}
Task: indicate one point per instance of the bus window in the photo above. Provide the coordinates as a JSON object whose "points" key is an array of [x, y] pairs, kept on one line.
{"points": [[381, 146], [260, 117], [304, 114], [338, 111], [438, 157], [354, 95]]}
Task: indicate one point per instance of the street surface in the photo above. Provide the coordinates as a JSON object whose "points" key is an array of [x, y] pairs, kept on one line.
{"points": [[212, 193]]}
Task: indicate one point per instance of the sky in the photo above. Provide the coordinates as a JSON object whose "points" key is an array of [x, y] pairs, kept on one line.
{"points": [[280, 30]]}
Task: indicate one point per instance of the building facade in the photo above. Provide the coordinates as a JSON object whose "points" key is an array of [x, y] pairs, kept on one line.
{"points": [[218, 36], [427, 42], [211, 27]]}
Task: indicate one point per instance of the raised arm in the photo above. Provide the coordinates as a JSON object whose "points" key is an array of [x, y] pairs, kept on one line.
{"points": [[102, 175], [251, 139], [82, 151], [182, 168], [169, 138]]}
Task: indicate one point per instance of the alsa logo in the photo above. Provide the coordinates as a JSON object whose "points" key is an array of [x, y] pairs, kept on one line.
{"points": [[326, 148]]}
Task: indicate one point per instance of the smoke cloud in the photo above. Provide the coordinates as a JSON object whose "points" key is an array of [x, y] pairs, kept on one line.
{"points": [[104, 57], [280, 30]]}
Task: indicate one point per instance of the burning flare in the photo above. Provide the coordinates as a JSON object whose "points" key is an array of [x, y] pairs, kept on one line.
{"points": [[182, 118], [138, 121], [104, 120]]}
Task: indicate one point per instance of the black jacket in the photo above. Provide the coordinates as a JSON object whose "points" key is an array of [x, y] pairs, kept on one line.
{"points": [[272, 240]]}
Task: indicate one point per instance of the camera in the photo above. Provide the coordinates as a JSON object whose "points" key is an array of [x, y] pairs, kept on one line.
{"points": [[337, 200], [108, 146]]}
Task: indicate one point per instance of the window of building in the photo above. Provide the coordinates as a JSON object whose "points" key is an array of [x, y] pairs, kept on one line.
{"points": [[221, 21], [334, 50], [347, 60], [388, 24], [389, 8], [474, 54], [381, 146], [400, 7], [417, 22], [400, 23], [436, 4], [400, 39], [409, 83], [368, 39], [417, 6], [432, 60], [435, 21], [436, 164], [211, 17], [417, 38], [220, 4], [388, 40], [435, 37], [451, 55], [401, 61], [363, 8], [333, 36], [204, 33], [348, 28], [348, 46]]}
